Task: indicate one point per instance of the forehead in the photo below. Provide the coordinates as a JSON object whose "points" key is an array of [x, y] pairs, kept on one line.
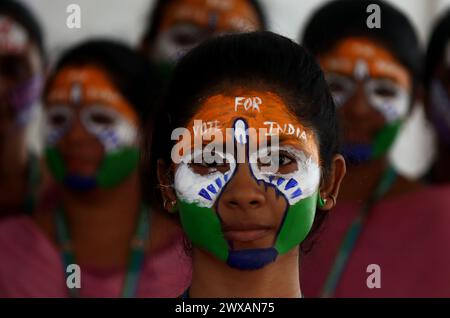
{"points": [[86, 85], [260, 109], [199, 10], [349, 53]]}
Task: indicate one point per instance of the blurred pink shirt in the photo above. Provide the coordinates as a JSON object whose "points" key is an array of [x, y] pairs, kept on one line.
{"points": [[31, 266], [408, 237]]}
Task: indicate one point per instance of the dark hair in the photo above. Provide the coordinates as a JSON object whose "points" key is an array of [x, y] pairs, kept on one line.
{"points": [[437, 44], [158, 10], [339, 19], [22, 15], [133, 75], [261, 59]]}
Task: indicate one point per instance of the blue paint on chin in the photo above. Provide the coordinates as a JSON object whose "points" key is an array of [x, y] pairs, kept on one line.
{"points": [[357, 153], [251, 259], [80, 183]]}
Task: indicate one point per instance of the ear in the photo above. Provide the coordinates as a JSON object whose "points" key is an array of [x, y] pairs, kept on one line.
{"points": [[329, 189], [165, 179]]}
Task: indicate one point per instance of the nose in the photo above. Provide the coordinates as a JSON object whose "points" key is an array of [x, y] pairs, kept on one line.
{"points": [[77, 132], [243, 192], [358, 106]]}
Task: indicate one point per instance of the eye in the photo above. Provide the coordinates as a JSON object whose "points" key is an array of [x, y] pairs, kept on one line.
{"points": [[14, 67], [282, 162], [102, 119], [341, 87], [58, 116], [383, 88], [207, 163], [186, 34]]}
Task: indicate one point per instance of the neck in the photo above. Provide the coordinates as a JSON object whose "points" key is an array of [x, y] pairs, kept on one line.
{"points": [[13, 156], [212, 278], [361, 181], [103, 220]]}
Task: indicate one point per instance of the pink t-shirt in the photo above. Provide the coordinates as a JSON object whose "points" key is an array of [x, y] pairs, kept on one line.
{"points": [[30, 266], [408, 237]]}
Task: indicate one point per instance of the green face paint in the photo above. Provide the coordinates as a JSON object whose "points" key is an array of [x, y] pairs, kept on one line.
{"points": [[115, 167]]}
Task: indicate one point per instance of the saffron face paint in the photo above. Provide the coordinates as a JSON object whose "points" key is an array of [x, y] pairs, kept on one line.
{"points": [[296, 181], [387, 87], [186, 23], [87, 92]]}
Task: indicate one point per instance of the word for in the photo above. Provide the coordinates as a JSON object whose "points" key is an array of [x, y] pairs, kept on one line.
{"points": [[251, 104]]}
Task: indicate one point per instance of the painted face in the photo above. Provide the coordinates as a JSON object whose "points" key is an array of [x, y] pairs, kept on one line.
{"points": [[440, 97], [91, 129], [187, 23], [280, 212], [20, 73], [372, 91]]}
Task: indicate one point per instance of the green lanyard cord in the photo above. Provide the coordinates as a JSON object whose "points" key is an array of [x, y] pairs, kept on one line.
{"points": [[353, 233], [137, 253]]}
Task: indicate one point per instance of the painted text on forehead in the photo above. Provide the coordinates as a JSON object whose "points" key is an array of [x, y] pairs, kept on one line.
{"points": [[260, 110], [221, 15], [87, 86], [360, 57]]}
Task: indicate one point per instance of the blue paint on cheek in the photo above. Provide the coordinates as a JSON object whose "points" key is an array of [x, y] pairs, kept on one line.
{"points": [[280, 181], [219, 183], [296, 194], [203, 193], [212, 189], [292, 183]]}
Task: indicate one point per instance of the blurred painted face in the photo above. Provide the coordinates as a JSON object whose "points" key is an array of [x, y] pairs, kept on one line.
{"points": [[439, 97], [21, 79], [187, 23], [372, 91], [87, 118], [241, 207]]}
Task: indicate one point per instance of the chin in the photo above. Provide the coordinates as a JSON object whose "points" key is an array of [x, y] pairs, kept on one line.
{"points": [[251, 259]]}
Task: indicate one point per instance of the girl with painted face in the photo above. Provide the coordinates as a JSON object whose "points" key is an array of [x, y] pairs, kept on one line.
{"points": [[96, 100], [437, 80], [382, 218], [246, 154], [179, 25], [22, 64]]}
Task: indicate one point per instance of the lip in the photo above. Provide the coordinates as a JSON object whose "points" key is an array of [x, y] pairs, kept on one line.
{"points": [[245, 232]]}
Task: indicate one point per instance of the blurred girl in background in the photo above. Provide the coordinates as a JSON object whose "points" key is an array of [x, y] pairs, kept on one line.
{"points": [[176, 26], [22, 74], [383, 218], [96, 101]]}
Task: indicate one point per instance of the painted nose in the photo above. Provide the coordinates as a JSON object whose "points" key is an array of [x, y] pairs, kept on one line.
{"points": [[243, 192]]}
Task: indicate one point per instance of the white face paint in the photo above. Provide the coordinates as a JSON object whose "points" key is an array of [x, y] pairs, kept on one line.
{"points": [[296, 184], [203, 190], [109, 126], [384, 95], [13, 37], [199, 189], [175, 42]]}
